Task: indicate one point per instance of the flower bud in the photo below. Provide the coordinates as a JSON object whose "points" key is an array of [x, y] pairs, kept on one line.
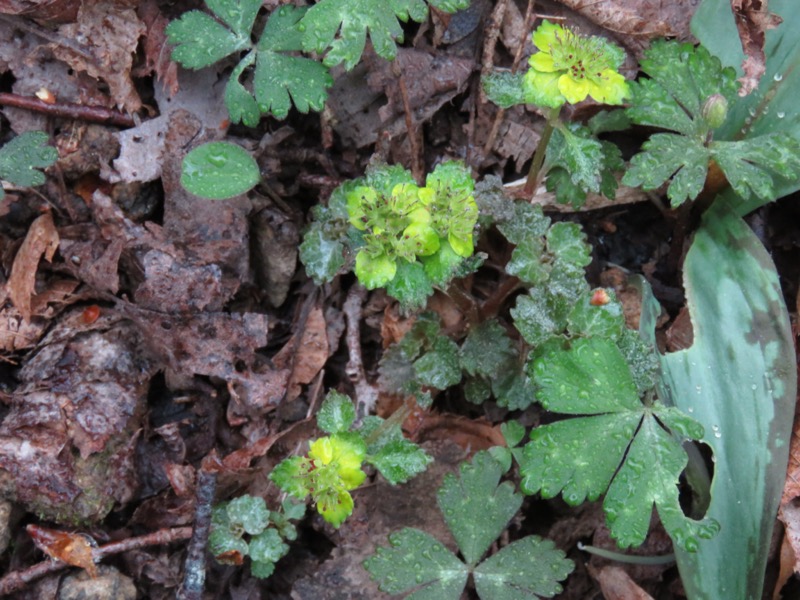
{"points": [[715, 110]]}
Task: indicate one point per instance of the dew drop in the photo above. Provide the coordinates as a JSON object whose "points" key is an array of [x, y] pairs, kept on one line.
{"points": [[778, 77], [752, 111], [754, 387], [781, 114]]}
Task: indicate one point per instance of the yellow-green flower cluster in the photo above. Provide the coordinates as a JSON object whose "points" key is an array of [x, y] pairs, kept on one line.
{"points": [[412, 222], [570, 67]]}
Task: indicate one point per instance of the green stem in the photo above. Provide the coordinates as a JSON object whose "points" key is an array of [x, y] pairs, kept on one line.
{"points": [[534, 174], [628, 558], [396, 418]]}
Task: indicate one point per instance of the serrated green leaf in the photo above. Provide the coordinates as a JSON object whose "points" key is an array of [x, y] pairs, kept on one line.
{"points": [[504, 88], [439, 368], [528, 221], [581, 156], [200, 40], [486, 349], [400, 460], [641, 359], [649, 476], [577, 457], [441, 266], [221, 541], [262, 570], [336, 414], [477, 390], [559, 182], [667, 155], [219, 170], [281, 33], [527, 569], [682, 78], [609, 120], [591, 376], [417, 560], [476, 506], [411, 286], [342, 26], [513, 388], [537, 316], [322, 256], [281, 80], [527, 261], [242, 107], [748, 164], [290, 476], [567, 243], [267, 547], [239, 15], [21, 157], [250, 512], [605, 320]]}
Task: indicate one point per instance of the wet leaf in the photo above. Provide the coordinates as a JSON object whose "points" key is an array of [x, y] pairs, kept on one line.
{"points": [[219, 170], [72, 548], [336, 414], [41, 241]]}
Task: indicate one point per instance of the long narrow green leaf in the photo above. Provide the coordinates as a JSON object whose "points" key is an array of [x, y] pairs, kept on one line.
{"points": [[738, 380]]}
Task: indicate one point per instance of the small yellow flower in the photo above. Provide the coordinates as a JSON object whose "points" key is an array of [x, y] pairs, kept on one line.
{"points": [[344, 455], [570, 67]]}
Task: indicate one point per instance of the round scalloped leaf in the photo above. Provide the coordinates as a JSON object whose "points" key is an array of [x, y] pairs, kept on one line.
{"points": [[250, 512], [219, 170]]}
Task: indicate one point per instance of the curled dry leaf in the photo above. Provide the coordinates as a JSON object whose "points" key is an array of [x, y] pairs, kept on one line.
{"points": [[42, 240], [306, 355], [72, 548], [752, 21]]}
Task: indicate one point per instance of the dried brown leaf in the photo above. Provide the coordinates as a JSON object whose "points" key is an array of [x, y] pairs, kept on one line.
{"points": [[306, 353], [618, 585], [42, 240], [72, 548], [752, 21]]}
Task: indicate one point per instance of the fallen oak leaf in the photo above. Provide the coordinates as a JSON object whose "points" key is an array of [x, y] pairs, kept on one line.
{"points": [[75, 549]]}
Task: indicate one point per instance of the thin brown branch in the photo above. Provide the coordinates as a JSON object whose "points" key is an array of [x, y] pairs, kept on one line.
{"points": [[68, 110], [366, 394], [417, 167], [18, 579]]}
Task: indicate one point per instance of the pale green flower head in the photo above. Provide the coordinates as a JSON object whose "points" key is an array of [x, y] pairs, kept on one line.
{"points": [[569, 67]]}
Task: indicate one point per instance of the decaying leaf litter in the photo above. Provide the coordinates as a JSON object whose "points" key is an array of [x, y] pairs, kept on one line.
{"points": [[150, 337]]}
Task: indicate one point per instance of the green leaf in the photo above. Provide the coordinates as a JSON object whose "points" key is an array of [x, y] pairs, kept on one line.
{"points": [[682, 78], [528, 221], [504, 88], [442, 266], [513, 432], [567, 243], [290, 476], [641, 359], [527, 569], [581, 156], [513, 388], [221, 541], [670, 156], [748, 164], [281, 78], [410, 285], [268, 547], [400, 460], [439, 368], [342, 26], [486, 349], [476, 506], [219, 170], [262, 570], [322, 256], [621, 444], [559, 182], [417, 560], [242, 107], [200, 41], [21, 157], [605, 320], [239, 15], [376, 270], [336, 414], [250, 512], [738, 379], [527, 261], [538, 317]]}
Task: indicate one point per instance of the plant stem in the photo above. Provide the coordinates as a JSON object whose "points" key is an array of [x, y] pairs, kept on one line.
{"points": [[534, 175], [628, 558], [398, 417]]}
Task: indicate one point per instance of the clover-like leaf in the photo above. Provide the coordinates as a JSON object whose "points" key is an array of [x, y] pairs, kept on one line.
{"points": [[336, 414], [476, 506], [669, 156], [22, 157], [219, 170], [418, 560], [603, 452], [527, 569]]}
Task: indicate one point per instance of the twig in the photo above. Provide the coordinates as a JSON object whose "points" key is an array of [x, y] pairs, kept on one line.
{"points": [[17, 580], [194, 572], [68, 110], [366, 395], [417, 168]]}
